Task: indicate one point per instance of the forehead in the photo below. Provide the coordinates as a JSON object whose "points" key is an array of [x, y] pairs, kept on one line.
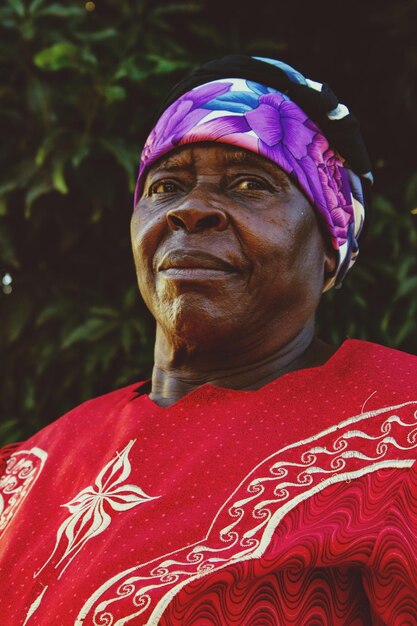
{"points": [[186, 157]]}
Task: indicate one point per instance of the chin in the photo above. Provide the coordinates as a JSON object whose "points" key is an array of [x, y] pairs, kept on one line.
{"points": [[193, 320]]}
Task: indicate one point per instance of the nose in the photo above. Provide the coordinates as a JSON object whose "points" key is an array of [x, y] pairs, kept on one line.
{"points": [[197, 215]]}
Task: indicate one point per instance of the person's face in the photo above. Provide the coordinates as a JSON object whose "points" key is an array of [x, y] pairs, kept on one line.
{"points": [[225, 245]]}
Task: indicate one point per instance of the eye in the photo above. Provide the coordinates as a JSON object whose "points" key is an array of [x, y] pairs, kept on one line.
{"points": [[163, 186], [250, 184]]}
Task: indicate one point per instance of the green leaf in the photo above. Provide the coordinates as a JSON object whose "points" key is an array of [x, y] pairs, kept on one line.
{"points": [[22, 311], [35, 6], [87, 57], [64, 55], [38, 100], [56, 57], [48, 145], [383, 205], [91, 330], [18, 7], [46, 356], [131, 297], [104, 311], [81, 150], [5, 188], [96, 215], [7, 250], [27, 30], [82, 332], [360, 300], [42, 186], [407, 286], [100, 359], [100, 35], [385, 322], [58, 179], [406, 329], [167, 66], [129, 69], [125, 155], [112, 93], [50, 312], [404, 268], [7, 23], [29, 394], [58, 10], [9, 432]]}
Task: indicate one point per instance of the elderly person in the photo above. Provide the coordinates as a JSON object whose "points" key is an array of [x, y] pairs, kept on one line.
{"points": [[261, 476]]}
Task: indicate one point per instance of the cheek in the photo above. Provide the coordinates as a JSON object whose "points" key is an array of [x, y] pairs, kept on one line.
{"points": [[271, 243], [144, 230], [145, 236], [289, 250]]}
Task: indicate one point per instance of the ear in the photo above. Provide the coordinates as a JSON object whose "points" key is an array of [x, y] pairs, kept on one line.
{"points": [[330, 262], [330, 266]]}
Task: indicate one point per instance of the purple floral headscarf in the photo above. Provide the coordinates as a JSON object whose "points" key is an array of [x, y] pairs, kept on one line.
{"points": [[265, 121]]}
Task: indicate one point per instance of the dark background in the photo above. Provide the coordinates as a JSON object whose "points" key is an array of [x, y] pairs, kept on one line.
{"points": [[79, 88]]}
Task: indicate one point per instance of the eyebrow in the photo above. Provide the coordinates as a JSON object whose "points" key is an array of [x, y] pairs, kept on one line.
{"points": [[232, 157], [237, 157], [243, 157], [175, 161]]}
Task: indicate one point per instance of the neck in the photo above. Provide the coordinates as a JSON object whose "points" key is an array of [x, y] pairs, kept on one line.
{"points": [[177, 371]]}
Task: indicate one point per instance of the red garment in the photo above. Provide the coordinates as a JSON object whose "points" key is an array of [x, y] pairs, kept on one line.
{"points": [[295, 504]]}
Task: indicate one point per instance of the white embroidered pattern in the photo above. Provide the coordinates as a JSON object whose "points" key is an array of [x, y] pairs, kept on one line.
{"points": [[90, 510], [22, 469], [243, 527], [35, 605]]}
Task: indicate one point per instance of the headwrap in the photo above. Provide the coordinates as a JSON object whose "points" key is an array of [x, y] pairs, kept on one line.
{"points": [[267, 107]]}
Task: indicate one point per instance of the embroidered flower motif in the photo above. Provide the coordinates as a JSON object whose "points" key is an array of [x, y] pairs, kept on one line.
{"points": [[92, 507]]}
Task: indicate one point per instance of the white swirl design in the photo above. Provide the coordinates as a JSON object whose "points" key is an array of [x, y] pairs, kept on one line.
{"points": [[22, 470], [351, 449]]}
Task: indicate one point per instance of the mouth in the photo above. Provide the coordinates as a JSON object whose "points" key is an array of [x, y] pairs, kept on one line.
{"points": [[194, 263], [193, 274]]}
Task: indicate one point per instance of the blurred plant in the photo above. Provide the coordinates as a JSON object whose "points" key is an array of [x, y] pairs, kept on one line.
{"points": [[80, 85], [378, 300], [78, 93]]}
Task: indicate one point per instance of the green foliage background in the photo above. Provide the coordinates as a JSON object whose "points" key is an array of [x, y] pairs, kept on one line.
{"points": [[78, 92]]}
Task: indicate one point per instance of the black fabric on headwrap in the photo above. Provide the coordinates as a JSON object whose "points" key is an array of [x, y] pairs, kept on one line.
{"points": [[343, 134]]}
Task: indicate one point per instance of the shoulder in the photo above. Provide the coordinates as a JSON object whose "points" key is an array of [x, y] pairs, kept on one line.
{"points": [[379, 353], [83, 421], [378, 356], [359, 370], [111, 401], [373, 367]]}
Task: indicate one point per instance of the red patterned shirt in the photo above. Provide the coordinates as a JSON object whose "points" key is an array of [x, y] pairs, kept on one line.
{"points": [[295, 504]]}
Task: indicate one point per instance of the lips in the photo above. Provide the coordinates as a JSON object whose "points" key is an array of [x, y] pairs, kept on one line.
{"points": [[194, 260]]}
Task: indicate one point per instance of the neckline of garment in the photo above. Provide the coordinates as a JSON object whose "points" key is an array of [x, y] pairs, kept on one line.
{"points": [[211, 389]]}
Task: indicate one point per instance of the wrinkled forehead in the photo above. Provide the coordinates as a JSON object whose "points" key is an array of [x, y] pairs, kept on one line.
{"points": [[188, 157]]}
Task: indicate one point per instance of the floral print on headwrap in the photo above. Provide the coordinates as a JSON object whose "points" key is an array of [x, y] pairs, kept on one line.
{"points": [[265, 121]]}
